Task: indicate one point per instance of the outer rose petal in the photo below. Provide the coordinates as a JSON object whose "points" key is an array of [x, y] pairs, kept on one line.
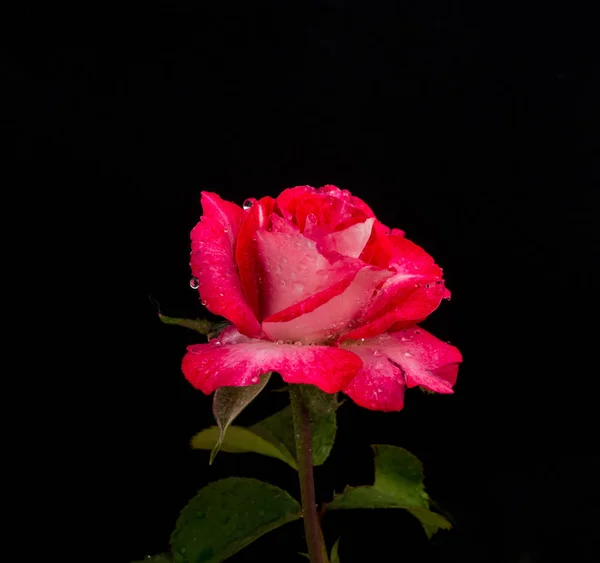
{"points": [[233, 360], [332, 318], [379, 384], [227, 214], [246, 253], [212, 263], [425, 360], [422, 358]]}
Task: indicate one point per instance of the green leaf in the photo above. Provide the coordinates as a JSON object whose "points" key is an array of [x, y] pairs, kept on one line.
{"points": [[162, 558], [228, 402], [335, 556], [226, 516], [398, 484], [241, 440], [274, 436], [202, 326]]}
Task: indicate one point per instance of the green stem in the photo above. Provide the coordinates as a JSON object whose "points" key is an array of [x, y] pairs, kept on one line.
{"points": [[312, 526]]}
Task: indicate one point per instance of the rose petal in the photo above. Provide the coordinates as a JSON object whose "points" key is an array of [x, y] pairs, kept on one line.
{"points": [[295, 270], [424, 360], [246, 254], [350, 241], [348, 197], [234, 361], [379, 249], [413, 293], [212, 263], [332, 318], [281, 225], [331, 213], [379, 384], [288, 200], [411, 305], [227, 214]]}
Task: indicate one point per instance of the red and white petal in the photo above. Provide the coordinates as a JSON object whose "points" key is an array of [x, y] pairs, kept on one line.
{"points": [[225, 213], [246, 253], [379, 384], [350, 241], [213, 265], [410, 295], [294, 270], [408, 306], [232, 361], [327, 321], [424, 360]]}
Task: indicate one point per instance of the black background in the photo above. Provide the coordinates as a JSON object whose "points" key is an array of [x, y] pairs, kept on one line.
{"points": [[470, 127]]}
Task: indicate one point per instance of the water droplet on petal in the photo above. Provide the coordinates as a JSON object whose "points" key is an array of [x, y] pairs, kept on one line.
{"points": [[254, 380], [298, 343], [194, 283], [217, 343], [417, 332], [298, 286], [279, 342], [203, 302], [376, 353], [247, 204], [408, 354], [225, 230]]}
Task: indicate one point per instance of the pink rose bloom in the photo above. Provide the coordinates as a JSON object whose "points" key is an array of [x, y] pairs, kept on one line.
{"points": [[318, 290]]}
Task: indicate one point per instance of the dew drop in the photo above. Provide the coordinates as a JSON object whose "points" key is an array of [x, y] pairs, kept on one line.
{"points": [[408, 354], [376, 353], [279, 342], [417, 332], [247, 204], [203, 302], [217, 343], [297, 343], [194, 283], [298, 286], [225, 230], [254, 380]]}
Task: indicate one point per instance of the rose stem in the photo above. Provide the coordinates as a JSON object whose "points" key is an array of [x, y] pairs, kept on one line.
{"points": [[312, 527]]}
